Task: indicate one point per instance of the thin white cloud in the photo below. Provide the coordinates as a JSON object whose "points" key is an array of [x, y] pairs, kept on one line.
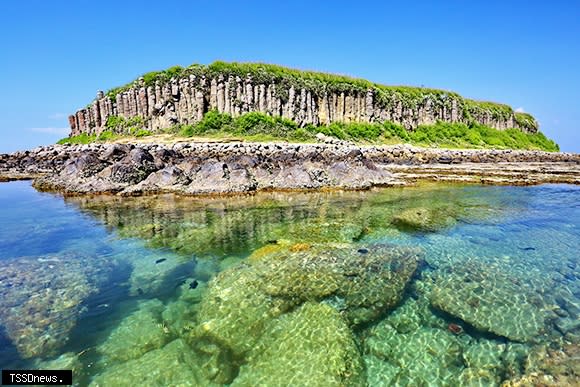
{"points": [[520, 110], [60, 131], [57, 116]]}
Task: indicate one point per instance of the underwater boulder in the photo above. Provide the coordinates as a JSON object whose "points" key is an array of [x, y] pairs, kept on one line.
{"points": [[423, 219], [318, 230], [236, 310], [312, 346], [360, 282], [136, 334], [242, 302], [422, 356], [550, 367], [489, 299], [41, 298], [172, 365]]}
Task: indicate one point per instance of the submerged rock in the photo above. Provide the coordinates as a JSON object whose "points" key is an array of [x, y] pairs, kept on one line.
{"points": [[172, 365], [311, 346], [360, 286], [41, 298], [424, 219], [421, 356], [138, 333], [243, 299], [551, 368], [490, 300]]}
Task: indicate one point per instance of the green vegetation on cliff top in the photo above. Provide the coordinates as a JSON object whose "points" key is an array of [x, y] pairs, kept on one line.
{"points": [[262, 127], [319, 82]]}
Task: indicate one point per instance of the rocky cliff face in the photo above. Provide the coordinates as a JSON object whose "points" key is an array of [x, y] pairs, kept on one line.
{"points": [[187, 96]]}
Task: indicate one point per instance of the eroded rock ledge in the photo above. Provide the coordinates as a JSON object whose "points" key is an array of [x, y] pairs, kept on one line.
{"points": [[237, 167]]}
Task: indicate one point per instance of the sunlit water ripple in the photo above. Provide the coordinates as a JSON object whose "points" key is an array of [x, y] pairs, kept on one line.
{"points": [[432, 285]]}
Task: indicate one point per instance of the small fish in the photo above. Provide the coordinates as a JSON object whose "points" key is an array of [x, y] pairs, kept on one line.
{"points": [[527, 248], [272, 241], [363, 251], [193, 284], [140, 291], [160, 260]]}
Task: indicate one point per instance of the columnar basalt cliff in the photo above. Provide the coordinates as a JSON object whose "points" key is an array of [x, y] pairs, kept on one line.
{"points": [[183, 95]]}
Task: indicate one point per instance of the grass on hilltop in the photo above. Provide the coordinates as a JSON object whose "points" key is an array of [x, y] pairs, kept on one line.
{"points": [[262, 127], [320, 83]]}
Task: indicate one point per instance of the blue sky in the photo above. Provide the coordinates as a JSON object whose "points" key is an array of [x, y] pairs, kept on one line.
{"points": [[57, 54]]}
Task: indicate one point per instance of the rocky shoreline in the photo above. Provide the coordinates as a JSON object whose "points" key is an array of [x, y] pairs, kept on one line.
{"points": [[197, 168]]}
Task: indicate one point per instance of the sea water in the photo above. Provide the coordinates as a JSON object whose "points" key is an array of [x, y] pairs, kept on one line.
{"points": [[427, 285]]}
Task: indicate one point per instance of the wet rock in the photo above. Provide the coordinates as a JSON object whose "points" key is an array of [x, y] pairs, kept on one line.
{"points": [[248, 167]]}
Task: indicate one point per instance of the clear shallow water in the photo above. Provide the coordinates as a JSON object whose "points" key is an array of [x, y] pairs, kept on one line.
{"points": [[435, 285]]}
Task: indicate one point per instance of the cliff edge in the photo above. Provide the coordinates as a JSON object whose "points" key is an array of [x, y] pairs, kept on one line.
{"points": [[181, 96]]}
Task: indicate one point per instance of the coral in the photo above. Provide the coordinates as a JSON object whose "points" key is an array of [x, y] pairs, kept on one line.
{"points": [[311, 346]]}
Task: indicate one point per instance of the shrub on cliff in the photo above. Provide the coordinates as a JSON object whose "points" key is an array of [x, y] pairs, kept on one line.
{"points": [[212, 122], [82, 138], [118, 124]]}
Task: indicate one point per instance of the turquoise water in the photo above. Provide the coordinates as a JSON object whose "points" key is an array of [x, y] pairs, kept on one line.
{"points": [[433, 285]]}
